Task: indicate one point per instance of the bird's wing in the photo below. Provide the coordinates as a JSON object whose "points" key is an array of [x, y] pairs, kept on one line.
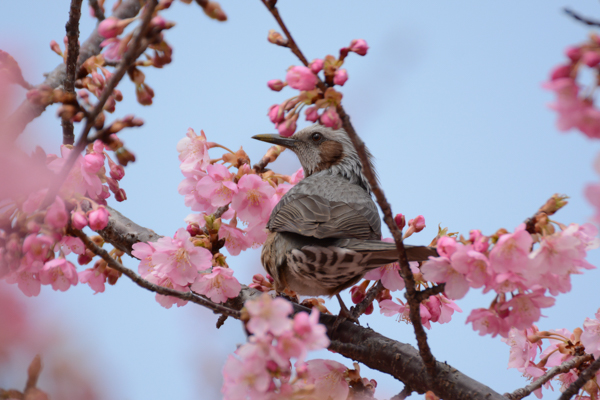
{"points": [[327, 208]]}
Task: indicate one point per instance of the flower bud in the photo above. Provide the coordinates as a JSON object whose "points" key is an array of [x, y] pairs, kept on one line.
{"points": [[418, 223], [276, 38], [98, 218], [574, 53], [369, 309], [301, 78], [193, 229], [359, 292], [112, 26], [78, 220], [120, 195], [288, 127], [331, 119], [312, 114], [276, 84], [400, 221], [275, 114], [340, 77], [359, 46], [316, 65], [214, 11], [591, 58]]}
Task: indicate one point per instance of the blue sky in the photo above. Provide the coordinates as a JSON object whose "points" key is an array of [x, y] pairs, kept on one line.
{"points": [[448, 99]]}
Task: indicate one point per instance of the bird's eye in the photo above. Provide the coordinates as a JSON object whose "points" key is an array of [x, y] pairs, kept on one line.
{"points": [[316, 137]]}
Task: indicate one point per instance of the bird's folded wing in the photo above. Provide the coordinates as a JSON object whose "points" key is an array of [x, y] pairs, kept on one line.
{"points": [[313, 215], [385, 253]]}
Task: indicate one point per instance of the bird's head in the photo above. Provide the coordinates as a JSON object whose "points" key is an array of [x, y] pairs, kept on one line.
{"points": [[325, 150]]}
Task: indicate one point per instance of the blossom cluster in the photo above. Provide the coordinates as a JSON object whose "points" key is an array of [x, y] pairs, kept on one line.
{"points": [[562, 345], [191, 259], [322, 103], [520, 273], [262, 367], [33, 231]]}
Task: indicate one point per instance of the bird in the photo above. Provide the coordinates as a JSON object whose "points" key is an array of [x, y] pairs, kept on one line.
{"points": [[325, 232]]}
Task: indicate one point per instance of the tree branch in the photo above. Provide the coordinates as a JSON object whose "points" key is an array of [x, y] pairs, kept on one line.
{"points": [[582, 380], [98, 13], [14, 124], [577, 17], [114, 264], [432, 291], [72, 28], [407, 391], [133, 52], [415, 314], [551, 373], [360, 308]]}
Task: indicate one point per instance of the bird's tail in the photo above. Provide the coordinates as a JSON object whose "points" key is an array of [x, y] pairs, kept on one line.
{"points": [[385, 253]]}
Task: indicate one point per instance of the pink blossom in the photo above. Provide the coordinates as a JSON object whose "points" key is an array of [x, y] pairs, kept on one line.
{"points": [[590, 337], [301, 78], [78, 220], [219, 285], [83, 175], [70, 244], [193, 153], [312, 114], [235, 240], [389, 275], [340, 77], [447, 308], [328, 378], [28, 282], [591, 58], [276, 114], [268, 315], [330, 118], [557, 254], [57, 216], [525, 308], [37, 248], [418, 223], [359, 46], [245, 377], [287, 127], [522, 351], [439, 270], [114, 49], [253, 199], [192, 198], [60, 273], [473, 264], [144, 251], [592, 193], [93, 277], [112, 26], [446, 246], [216, 187], [276, 84], [511, 252], [179, 259], [316, 65], [297, 176], [256, 235], [308, 329], [389, 308], [165, 281], [488, 322], [98, 218]]}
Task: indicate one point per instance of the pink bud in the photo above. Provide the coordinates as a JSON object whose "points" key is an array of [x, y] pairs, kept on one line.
{"points": [[110, 27], [78, 220], [98, 218], [287, 127], [340, 77], [55, 48], [144, 94], [276, 84], [84, 259], [418, 223], [276, 38], [312, 114], [400, 221], [359, 46], [116, 171], [369, 309], [358, 293], [574, 53], [193, 229], [270, 278], [120, 195], [301, 78], [561, 71], [316, 65], [591, 58], [331, 119], [274, 114]]}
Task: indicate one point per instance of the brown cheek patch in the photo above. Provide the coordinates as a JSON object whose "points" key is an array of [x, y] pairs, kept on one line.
{"points": [[331, 154]]}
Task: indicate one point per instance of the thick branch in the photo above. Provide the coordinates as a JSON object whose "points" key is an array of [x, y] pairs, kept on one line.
{"points": [[114, 264], [584, 377], [359, 145], [551, 373], [27, 112], [72, 28]]}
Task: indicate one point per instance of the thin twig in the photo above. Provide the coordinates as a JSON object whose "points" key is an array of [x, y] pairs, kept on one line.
{"points": [[584, 377], [551, 373], [360, 308], [407, 391], [432, 291], [72, 28], [98, 13], [129, 57], [415, 315], [578, 17], [114, 264]]}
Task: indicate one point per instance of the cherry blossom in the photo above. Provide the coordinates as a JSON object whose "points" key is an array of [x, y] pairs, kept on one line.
{"points": [[328, 378], [144, 251], [59, 273], [301, 78], [193, 153], [98, 219], [488, 322], [590, 337], [439, 269], [253, 199], [217, 187], [179, 259], [359, 46], [165, 281], [93, 277], [511, 252], [235, 240], [268, 315], [219, 285]]}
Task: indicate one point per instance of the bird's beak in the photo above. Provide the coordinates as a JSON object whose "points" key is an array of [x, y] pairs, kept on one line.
{"points": [[276, 139]]}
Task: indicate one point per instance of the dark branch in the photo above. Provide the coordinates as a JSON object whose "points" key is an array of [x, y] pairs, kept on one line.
{"points": [[27, 112], [584, 377], [432, 291], [578, 17], [551, 373], [114, 264], [98, 13], [407, 391], [72, 28], [360, 308]]}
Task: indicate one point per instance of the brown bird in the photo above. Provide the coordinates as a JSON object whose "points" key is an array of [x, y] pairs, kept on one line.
{"points": [[325, 232]]}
